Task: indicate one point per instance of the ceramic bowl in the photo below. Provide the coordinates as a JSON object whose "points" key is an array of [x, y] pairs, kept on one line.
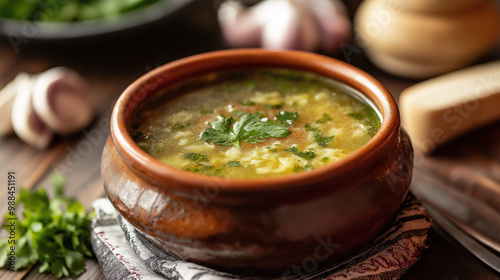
{"points": [[259, 226]]}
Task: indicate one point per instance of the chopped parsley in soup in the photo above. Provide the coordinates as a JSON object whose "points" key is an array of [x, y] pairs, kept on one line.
{"points": [[255, 124]]}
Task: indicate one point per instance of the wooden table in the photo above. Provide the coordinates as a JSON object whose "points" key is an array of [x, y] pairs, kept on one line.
{"points": [[110, 64]]}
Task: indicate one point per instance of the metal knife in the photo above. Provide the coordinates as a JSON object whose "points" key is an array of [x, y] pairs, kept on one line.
{"points": [[463, 216]]}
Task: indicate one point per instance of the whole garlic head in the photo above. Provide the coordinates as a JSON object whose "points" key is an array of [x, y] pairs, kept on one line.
{"points": [[285, 24]]}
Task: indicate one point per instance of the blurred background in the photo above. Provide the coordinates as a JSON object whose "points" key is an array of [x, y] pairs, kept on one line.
{"points": [[111, 44]]}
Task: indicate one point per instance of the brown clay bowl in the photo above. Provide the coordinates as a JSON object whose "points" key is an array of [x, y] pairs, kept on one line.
{"points": [[259, 226]]}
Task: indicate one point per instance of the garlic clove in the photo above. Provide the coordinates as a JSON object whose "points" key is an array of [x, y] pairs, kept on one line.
{"points": [[240, 27], [60, 99], [25, 122], [7, 97], [333, 21], [283, 31]]}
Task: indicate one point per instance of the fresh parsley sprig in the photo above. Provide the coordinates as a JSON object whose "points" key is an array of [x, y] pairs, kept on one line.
{"points": [[54, 232], [251, 128]]}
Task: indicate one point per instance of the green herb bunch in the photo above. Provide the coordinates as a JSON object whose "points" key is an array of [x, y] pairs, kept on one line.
{"points": [[54, 232]]}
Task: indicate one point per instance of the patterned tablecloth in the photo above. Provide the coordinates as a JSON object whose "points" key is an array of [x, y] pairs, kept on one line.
{"points": [[124, 253]]}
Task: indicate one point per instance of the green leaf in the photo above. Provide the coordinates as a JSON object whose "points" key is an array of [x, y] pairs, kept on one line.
{"points": [[58, 183], [274, 106], [357, 115], [196, 157], [325, 118], [4, 249], [370, 118], [247, 103], [75, 262], [237, 113], [54, 232], [180, 126], [287, 117], [58, 269], [234, 164], [305, 155], [44, 267], [322, 140], [298, 168], [37, 201], [250, 128]]}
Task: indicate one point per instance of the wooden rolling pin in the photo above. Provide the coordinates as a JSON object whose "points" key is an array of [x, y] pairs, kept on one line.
{"points": [[440, 109]]}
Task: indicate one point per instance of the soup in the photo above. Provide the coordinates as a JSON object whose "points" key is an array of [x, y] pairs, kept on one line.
{"points": [[255, 124]]}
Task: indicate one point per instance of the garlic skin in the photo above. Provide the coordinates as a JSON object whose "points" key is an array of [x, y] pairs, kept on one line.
{"points": [[285, 24], [25, 122], [7, 97], [60, 100]]}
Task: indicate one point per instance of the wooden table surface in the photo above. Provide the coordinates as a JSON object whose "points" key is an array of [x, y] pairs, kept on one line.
{"points": [[109, 64]]}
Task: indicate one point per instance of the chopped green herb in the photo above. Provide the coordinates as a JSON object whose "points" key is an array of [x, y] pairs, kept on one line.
{"points": [[287, 117], [180, 126], [218, 172], [206, 112], [325, 159], [234, 164], [274, 106], [237, 113], [54, 232], [357, 116], [196, 157], [305, 155], [247, 103], [299, 168], [207, 167], [325, 118], [250, 128], [322, 140], [274, 150], [371, 120]]}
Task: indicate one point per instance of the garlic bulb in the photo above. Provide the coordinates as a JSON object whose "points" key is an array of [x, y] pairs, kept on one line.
{"points": [[286, 24], [35, 107], [27, 125], [7, 97], [60, 99]]}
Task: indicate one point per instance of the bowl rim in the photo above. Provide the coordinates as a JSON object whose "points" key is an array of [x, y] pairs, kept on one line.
{"points": [[184, 181]]}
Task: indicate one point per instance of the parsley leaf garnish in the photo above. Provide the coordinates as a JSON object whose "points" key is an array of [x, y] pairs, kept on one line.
{"points": [[322, 140], [247, 103], [234, 164], [287, 117], [250, 128], [325, 118], [298, 168], [370, 119], [305, 155], [196, 157], [180, 126], [54, 232]]}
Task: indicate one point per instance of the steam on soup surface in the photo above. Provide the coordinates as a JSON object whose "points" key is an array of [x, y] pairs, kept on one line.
{"points": [[255, 124]]}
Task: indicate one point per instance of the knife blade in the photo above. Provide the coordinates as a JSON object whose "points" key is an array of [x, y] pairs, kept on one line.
{"points": [[478, 250], [469, 214]]}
